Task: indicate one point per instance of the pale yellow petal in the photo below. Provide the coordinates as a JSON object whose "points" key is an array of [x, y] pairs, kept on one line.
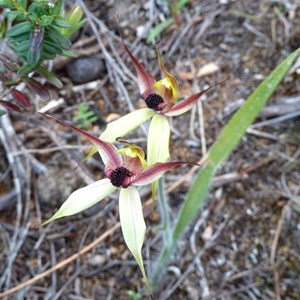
{"points": [[126, 124], [133, 224], [158, 140], [84, 198]]}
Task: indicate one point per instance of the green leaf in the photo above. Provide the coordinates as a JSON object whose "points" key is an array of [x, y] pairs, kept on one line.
{"points": [[2, 112], [39, 8], [57, 8], [20, 29], [85, 116], [23, 46], [158, 29], [49, 76], [74, 20], [47, 55], [33, 18], [19, 38], [7, 4], [51, 48], [3, 28], [69, 31], [26, 69], [12, 15], [60, 22], [46, 20], [229, 139], [221, 149], [22, 4], [68, 53], [58, 38]]}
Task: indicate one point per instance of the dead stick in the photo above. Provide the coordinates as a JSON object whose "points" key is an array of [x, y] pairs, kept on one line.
{"points": [[62, 263]]}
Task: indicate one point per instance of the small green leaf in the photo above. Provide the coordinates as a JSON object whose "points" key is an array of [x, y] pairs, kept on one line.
{"points": [[57, 8], [68, 53], [3, 28], [12, 15], [39, 8], [33, 18], [47, 55], [68, 32], [51, 48], [2, 112], [74, 20], [26, 69], [20, 29], [85, 116], [19, 38], [23, 46], [49, 76], [7, 4], [58, 38], [46, 20], [22, 4], [158, 29], [60, 22]]}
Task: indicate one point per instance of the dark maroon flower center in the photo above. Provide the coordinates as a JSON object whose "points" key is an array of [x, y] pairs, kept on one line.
{"points": [[118, 176], [153, 101]]}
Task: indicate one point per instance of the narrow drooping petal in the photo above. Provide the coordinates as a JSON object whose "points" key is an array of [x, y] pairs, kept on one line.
{"points": [[145, 80], [133, 224], [107, 151], [154, 172], [126, 124], [185, 105], [21, 98], [84, 198], [158, 140]]}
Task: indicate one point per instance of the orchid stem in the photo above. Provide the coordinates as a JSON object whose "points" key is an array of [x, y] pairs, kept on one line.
{"points": [[166, 225], [164, 211]]}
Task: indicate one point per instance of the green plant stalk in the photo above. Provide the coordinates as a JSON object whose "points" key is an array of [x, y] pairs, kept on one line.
{"points": [[221, 149], [164, 211], [200, 188]]}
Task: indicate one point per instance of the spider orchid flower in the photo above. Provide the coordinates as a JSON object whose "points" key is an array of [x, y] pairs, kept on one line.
{"points": [[124, 169], [161, 100]]}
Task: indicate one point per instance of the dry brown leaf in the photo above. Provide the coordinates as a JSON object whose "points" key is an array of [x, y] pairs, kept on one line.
{"points": [[208, 69]]}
